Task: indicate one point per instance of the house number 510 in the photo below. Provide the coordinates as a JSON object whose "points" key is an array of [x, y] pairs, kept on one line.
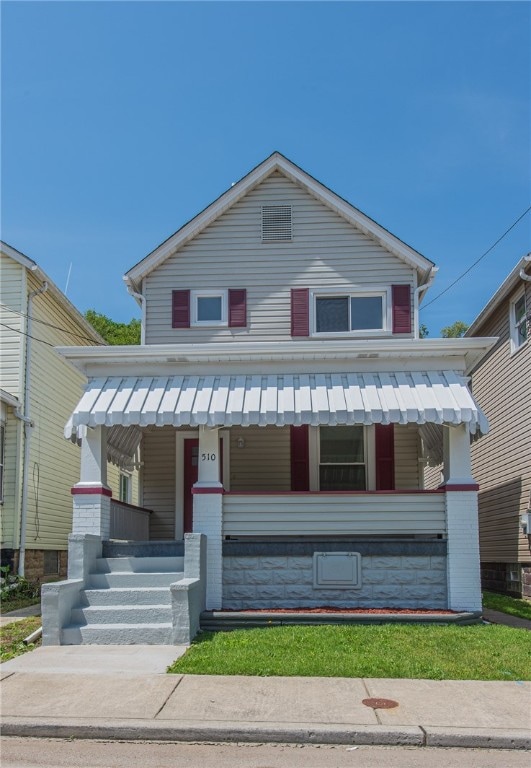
{"points": [[208, 457]]}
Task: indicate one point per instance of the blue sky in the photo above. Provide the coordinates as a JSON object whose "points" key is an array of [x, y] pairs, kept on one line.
{"points": [[122, 120]]}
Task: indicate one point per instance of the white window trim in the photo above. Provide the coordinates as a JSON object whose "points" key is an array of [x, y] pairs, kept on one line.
{"points": [[195, 295], [129, 476], [369, 448], [349, 292], [513, 327]]}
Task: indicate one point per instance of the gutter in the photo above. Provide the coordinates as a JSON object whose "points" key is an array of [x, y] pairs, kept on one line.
{"points": [[28, 427]]}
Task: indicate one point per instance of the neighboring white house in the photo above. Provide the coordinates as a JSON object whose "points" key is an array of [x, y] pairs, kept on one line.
{"points": [[38, 390], [284, 406], [501, 461]]}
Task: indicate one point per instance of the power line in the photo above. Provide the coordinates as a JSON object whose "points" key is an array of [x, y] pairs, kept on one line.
{"points": [[16, 330], [513, 225], [50, 325]]}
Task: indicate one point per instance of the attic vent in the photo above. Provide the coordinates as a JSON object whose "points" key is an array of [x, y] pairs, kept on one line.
{"points": [[276, 223]]}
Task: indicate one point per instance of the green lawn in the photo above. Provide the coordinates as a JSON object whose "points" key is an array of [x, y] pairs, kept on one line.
{"points": [[476, 652], [506, 604], [14, 603], [12, 635]]}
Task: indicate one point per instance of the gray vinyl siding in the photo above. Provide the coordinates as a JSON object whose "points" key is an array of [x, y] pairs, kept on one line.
{"points": [[406, 457], [325, 252], [501, 460], [13, 304], [158, 454], [263, 464]]}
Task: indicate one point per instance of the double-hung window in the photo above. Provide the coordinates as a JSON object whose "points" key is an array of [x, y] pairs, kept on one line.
{"points": [[342, 459], [208, 308], [125, 487], [354, 314], [518, 322]]}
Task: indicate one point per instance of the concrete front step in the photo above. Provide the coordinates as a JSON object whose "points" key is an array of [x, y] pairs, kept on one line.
{"points": [[121, 614], [139, 564], [126, 596], [153, 548], [117, 634], [134, 580]]}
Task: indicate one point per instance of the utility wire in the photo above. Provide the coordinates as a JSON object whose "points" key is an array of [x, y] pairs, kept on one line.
{"points": [[513, 225], [16, 330], [50, 325]]}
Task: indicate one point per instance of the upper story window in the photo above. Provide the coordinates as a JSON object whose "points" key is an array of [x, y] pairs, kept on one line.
{"points": [[276, 223], [518, 322], [209, 308], [357, 313], [125, 487]]}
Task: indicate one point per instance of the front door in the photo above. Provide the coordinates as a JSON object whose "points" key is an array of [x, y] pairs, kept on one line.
{"points": [[190, 475]]}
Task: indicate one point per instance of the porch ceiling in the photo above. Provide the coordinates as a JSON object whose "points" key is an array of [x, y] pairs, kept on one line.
{"points": [[436, 397]]}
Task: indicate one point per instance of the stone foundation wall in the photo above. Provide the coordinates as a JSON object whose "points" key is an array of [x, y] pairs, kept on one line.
{"points": [[285, 580], [41, 565], [494, 576]]}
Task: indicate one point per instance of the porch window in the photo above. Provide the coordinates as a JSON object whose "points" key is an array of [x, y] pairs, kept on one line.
{"points": [[125, 487], [518, 322], [209, 308], [342, 464], [351, 313]]}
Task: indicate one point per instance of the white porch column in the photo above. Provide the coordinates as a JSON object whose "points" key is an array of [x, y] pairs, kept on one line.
{"points": [[464, 582], [208, 512], [92, 496]]}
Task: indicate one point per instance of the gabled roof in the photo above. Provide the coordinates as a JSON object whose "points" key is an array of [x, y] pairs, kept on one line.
{"points": [[506, 288], [56, 292], [277, 162]]}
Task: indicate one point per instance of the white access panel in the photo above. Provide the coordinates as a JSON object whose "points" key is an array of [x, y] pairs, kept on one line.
{"points": [[337, 570]]}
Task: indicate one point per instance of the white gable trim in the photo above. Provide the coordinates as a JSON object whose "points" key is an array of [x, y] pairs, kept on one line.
{"points": [[277, 162]]}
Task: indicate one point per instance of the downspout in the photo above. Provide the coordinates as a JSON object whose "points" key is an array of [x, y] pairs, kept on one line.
{"points": [[28, 426], [142, 300], [416, 299], [523, 273]]}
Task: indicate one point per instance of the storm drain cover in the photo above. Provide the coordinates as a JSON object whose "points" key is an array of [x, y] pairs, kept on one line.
{"points": [[380, 703]]}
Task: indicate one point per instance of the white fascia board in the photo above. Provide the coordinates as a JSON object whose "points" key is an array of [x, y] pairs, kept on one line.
{"points": [[8, 399], [506, 288], [273, 163], [447, 353]]}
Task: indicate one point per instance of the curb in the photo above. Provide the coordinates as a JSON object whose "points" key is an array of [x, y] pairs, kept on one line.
{"points": [[223, 731]]}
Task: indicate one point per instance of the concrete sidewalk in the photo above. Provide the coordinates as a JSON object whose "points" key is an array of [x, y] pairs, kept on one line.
{"points": [[122, 692]]}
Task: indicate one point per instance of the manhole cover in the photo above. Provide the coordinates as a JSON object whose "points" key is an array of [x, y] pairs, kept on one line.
{"points": [[380, 703]]}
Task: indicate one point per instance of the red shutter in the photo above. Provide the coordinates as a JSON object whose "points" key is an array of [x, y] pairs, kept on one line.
{"points": [[401, 309], [300, 468], [385, 457], [180, 309], [237, 308], [300, 312]]}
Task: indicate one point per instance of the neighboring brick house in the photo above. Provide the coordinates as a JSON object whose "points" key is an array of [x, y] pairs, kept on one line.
{"points": [[501, 460], [280, 401], [38, 390]]}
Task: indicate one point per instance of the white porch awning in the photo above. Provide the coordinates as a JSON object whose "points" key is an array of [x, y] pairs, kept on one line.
{"points": [[436, 397]]}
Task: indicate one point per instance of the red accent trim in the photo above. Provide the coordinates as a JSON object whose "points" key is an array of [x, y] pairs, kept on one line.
{"points": [[464, 487], [208, 490], [90, 490], [180, 309], [299, 457], [401, 308], [300, 311], [332, 493], [385, 457], [237, 308]]}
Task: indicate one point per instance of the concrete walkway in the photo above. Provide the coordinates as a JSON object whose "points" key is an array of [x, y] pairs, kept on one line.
{"points": [[19, 614], [122, 692], [497, 617]]}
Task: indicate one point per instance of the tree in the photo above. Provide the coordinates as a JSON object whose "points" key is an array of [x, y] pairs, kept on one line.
{"points": [[423, 331], [454, 331], [113, 332]]}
